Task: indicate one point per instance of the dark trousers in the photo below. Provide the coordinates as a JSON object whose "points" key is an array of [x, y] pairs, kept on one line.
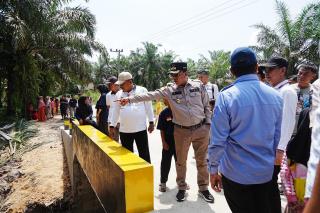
{"points": [[166, 161], [141, 139], [246, 198], [274, 197], [103, 127]]}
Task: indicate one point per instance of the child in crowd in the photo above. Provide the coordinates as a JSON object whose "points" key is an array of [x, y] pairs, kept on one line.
{"points": [[165, 125]]}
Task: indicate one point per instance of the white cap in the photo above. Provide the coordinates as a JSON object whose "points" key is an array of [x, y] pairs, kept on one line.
{"points": [[123, 76]]}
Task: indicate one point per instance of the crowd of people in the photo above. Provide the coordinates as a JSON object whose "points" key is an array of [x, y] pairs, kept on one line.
{"points": [[259, 128], [46, 108]]}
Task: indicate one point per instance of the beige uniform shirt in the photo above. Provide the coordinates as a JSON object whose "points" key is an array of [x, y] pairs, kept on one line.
{"points": [[189, 104]]}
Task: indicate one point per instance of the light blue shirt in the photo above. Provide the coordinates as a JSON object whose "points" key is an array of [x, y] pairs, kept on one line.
{"points": [[245, 131]]}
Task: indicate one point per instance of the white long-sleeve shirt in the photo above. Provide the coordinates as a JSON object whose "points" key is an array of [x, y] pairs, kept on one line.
{"points": [[212, 90], [290, 100], [110, 99], [315, 100], [314, 154], [133, 116]]}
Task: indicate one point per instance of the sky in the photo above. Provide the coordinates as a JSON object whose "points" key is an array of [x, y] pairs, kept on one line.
{"points": [[188, 27]]}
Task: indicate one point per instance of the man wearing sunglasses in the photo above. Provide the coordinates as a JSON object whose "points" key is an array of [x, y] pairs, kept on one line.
{"points": [[190, 107], [276, 71]]}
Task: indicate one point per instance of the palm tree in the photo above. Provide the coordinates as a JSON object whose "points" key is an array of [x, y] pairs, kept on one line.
{"points": [[295, 39], [44, 44]]}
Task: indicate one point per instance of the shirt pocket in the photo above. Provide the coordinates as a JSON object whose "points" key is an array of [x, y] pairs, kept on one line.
{"points": [[195, 97], [178, 98]]}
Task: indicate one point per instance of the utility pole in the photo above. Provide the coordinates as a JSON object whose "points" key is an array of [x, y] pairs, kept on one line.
{"points": [[119, 51]]}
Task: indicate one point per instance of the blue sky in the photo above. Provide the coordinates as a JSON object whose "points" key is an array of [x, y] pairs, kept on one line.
{"points": [[210, 25]]}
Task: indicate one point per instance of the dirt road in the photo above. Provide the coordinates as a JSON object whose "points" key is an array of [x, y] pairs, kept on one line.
{"points": [[44, 184]]}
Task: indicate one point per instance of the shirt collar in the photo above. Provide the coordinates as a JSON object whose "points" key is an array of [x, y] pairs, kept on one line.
{"points": [[281, 84], [248, 77], [131, 91]]}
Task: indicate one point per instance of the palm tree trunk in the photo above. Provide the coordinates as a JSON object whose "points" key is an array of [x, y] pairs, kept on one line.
{"points": [[10, 91]]}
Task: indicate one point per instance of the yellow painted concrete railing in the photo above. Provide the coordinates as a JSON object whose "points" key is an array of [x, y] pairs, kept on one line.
{"points": [[122, 181]]}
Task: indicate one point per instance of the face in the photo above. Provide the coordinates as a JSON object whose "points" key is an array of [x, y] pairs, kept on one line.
{"points": [[203, 78], [114, 87], [305, 76], [127, 85], [275, 75], [179, 78]]}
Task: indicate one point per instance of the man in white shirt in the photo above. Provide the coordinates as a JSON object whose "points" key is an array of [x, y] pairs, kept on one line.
{"points": [[133, 117], [276, 70], [307, 72], [212, 89], [111, 99], [315, 100]]}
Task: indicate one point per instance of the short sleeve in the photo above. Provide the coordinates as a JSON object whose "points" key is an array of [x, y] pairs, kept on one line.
{"points": [[161, 121], [101, 103]]}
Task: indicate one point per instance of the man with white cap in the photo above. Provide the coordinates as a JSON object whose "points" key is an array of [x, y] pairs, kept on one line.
{"points": [[132, 117]]}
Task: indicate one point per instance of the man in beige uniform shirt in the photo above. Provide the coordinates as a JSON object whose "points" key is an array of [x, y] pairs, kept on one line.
{"points": [[190, 107]]}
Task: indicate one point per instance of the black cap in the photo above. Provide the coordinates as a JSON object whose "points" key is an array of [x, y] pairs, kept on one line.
{"points": [[276, 62], [203, 71], [243, 57], [176, 67], [112, 79]]}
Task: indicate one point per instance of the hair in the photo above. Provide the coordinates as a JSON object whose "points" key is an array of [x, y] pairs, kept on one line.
{"points": [[239, 71], [102, 88], [261, 72], [308, 66], [82, 101]]}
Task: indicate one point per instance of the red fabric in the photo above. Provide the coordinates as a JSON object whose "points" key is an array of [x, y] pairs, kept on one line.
{"points": [[42, 111], [35, 116]]}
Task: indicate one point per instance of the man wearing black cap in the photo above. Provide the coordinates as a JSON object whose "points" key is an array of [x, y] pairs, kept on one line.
{"points": [[245, 132], [212, 89], [276, 70], [190, 107], [111, 98]]}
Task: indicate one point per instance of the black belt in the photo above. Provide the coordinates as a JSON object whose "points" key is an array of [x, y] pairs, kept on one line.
{"points": [[191, 127]]}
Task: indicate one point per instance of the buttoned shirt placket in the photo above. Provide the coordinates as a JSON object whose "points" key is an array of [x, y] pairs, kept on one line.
{"points": [[188, 102]]}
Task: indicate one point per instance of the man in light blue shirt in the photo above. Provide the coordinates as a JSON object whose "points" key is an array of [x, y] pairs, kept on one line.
{"points": [[245, 133]]}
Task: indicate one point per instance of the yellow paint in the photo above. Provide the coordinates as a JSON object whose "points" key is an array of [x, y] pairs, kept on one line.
{"points": [[139, 190], [121, 156], [138, 173], [75, 122]]}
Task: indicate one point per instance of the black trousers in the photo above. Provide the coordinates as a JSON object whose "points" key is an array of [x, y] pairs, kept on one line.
{"points": [[166, 162], [275, 200], [246, 198], [141, 139]]}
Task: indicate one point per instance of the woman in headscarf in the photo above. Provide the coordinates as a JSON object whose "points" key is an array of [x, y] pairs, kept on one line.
{"points": [[41, 110], [84, 112]]}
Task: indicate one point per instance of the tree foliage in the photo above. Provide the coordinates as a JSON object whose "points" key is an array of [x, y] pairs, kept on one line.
{"points": [[42, 49], [293, 38]]}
